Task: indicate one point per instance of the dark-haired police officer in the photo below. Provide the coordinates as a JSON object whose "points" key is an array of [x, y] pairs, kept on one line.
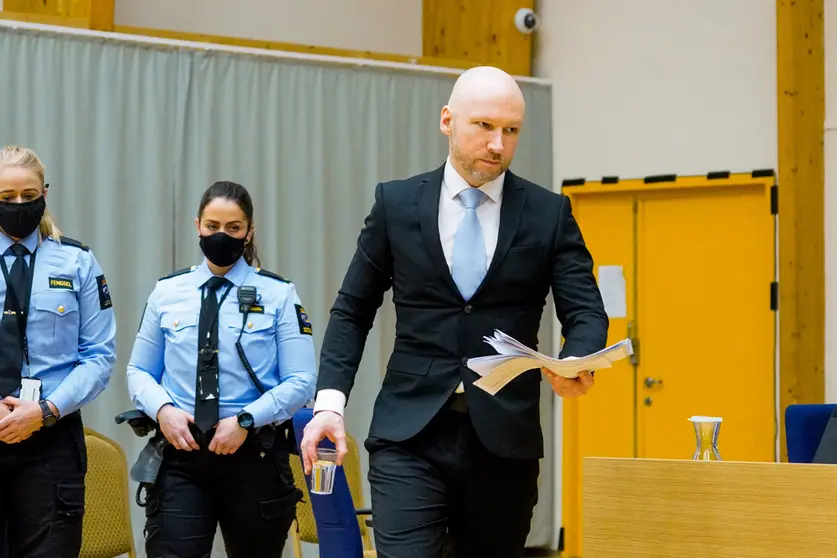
{"points": [[224, 353], [57, 351]]}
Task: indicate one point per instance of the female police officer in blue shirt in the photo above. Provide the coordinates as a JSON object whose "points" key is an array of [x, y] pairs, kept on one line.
{"points": [[202, 329], [56, 355]]}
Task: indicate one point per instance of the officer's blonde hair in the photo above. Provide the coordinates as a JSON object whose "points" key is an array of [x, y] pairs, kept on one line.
{"points": [[25, 158]]}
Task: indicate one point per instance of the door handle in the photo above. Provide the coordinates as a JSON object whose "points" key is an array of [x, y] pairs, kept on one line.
{"points": [[649, 382]]}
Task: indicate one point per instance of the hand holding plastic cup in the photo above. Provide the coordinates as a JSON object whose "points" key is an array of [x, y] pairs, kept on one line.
{"points": [[323, 471]]}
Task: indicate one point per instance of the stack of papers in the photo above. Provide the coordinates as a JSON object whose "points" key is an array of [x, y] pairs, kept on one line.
{"points": [[514, 358]]}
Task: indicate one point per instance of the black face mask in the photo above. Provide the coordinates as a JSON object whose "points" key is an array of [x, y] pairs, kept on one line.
{"points": [[19, 220], [222, 249]]}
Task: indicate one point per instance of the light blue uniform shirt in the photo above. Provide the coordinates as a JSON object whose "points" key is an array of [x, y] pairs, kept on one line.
{"points": [[71, 328], [276, 339]]}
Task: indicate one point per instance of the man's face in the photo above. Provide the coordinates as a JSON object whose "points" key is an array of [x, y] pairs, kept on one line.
{"points": [[483, 136]]}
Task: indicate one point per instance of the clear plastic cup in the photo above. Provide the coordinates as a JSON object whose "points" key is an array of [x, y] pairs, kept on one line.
{"points": [[323, 470]]}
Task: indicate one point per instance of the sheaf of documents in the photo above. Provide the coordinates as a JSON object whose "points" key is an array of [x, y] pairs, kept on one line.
{"points": [[515, 358]]}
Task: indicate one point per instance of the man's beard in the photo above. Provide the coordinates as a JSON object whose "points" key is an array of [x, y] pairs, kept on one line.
{"points": [[470, 165]]}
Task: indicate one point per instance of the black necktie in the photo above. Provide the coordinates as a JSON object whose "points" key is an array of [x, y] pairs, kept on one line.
{"points": [[11, 344], [206, 392]]}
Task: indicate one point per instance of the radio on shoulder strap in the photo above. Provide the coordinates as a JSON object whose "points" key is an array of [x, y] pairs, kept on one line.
{"points": [[247, 296]]}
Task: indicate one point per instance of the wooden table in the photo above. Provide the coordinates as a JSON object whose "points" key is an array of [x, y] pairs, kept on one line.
{"points": [[668, 508]]}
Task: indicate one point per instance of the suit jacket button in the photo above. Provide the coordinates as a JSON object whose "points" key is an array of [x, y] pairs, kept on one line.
{"points": [[468, 308]]}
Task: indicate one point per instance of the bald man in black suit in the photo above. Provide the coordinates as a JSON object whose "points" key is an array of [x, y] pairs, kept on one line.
{"points": [[466, 248]]}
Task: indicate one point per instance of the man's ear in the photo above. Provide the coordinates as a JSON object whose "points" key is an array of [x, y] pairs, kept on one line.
{"points": [[445, 120]]}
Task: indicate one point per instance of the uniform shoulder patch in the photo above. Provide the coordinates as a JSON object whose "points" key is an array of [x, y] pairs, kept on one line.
{"points": [[272, 275], [71, 242], [305, 326], [105, 301], [179, 272]]}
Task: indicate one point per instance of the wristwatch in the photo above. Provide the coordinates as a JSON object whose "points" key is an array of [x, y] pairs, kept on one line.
{"points": [[245, 420], [49, 417]]}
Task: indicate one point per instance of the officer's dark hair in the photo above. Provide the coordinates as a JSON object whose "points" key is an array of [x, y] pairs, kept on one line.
{"points": [[240, 195]]}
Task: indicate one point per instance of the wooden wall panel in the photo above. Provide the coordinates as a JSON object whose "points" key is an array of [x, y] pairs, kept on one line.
{"points": [[801, 117], [66, 8], [479, 32], [99, 13]]}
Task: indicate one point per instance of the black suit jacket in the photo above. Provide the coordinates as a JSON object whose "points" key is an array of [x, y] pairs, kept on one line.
{"points": [[539, 247]]}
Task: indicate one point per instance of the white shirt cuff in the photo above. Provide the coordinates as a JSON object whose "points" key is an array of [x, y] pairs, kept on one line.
{"points": [[332, 400]]}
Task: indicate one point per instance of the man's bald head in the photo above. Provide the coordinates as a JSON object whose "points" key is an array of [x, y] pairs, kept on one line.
{"points": [[485, 82], [483, 117]]}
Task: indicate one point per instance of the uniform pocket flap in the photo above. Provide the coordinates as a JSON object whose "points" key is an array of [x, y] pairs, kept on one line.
{"points": [[176, 322], [271, 510], [255, 323], [69, 499], [56, 303], [409, 364]]}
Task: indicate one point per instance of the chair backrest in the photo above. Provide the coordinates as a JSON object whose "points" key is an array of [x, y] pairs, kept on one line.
{"points": [[804, 427], [338, 530], [107, 517], [354, 476], [304, 512]]}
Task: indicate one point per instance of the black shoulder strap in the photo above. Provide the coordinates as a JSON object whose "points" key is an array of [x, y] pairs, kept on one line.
{"points": [[272, 275], [177, 273], [72, 242]]}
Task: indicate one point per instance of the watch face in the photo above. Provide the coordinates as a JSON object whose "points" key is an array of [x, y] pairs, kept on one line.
{"points": [[245, 420], [49, 421]]}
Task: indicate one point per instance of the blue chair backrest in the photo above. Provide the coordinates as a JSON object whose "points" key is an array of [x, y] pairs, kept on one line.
{"points": [[337, 524], [804, 426]]}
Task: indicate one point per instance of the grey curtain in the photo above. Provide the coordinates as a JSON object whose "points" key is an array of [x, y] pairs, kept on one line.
{"points": [[132, 133]]}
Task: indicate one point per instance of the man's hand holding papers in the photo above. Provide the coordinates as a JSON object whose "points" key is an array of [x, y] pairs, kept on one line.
{"points": [[568, 375], [569, 387]]}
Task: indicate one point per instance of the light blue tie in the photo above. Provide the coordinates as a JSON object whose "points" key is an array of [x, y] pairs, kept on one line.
{"points": [[468, 268]]}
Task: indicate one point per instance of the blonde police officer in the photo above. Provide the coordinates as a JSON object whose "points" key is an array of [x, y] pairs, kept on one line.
{"points": [[57, 351]]}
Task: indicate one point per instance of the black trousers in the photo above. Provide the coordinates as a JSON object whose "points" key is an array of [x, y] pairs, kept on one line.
{"points": [[443, 494], [42, 492], [250, 493]]}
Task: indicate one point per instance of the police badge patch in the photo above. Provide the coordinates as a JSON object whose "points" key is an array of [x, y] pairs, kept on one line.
{"points": [[305, 327], [105, 301], [61, 283]]}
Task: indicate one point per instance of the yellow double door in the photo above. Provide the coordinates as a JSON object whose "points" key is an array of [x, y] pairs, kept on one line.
{"points": [[686, 270]]}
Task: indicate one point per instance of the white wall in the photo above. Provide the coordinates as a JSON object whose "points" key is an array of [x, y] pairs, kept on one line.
{"points": [[374, 25], [830, 200], [655, 86]]}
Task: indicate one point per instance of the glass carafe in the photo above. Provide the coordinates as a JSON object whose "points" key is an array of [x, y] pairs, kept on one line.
{"points": [[706, 432]]}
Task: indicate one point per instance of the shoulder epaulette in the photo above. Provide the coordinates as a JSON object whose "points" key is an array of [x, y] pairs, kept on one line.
{"points": [[272, 275], [71, 242], [179, 272]]}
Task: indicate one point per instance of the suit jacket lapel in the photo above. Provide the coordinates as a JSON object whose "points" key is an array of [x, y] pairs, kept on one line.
{"points": [[428, 207], [514, 198]]}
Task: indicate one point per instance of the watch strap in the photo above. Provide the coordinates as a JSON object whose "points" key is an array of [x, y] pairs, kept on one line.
{"points": [[48, 418]]}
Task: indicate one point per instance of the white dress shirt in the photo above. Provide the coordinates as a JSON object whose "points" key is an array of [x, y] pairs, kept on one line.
{"points": [[451, 211]]}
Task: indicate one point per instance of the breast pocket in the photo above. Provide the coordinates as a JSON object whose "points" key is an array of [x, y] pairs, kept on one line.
{"points": [[179, 328], [258, 337], [52, 328]]}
